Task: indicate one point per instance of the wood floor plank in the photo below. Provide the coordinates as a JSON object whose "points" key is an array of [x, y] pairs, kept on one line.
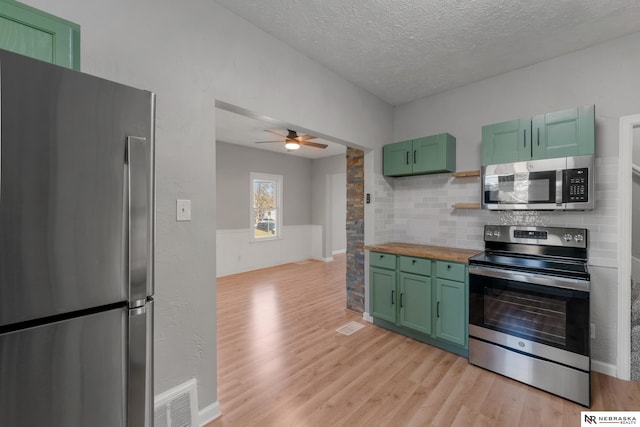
{"points": [[282, 363]]}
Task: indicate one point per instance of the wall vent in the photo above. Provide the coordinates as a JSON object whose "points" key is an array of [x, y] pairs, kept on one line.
{"points": [[177, 407]]}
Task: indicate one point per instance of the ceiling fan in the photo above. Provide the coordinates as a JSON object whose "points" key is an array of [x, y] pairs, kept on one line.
{"points": [[292, 141]]}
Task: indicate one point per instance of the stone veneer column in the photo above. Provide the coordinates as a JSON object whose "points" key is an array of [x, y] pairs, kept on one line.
{"points": [[355, 230], [635, 330]]}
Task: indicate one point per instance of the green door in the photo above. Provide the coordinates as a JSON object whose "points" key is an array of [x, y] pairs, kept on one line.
{"points": [[383, 293], [397, 158], [506, 142], [451, 311], [34, 33], [564, 133], [414, 302], [436, 153]]}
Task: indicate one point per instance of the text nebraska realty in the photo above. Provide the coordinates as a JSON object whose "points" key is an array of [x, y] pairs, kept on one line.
{"points": [[610, 419]]}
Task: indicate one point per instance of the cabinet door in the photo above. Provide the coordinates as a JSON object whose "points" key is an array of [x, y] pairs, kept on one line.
{"points": [[383, 293], [564, 133], [398, 158], [435, 153], [414, 302], [451, 311], [506, 142], [34, 33]]}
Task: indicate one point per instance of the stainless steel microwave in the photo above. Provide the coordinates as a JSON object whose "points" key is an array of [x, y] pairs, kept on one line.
{"points": [[565, 183]]}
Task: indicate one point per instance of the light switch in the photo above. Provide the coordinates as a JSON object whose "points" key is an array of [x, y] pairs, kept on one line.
{"points": [[183, 210]]}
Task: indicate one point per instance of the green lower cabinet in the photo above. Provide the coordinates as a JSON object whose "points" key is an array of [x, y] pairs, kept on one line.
{"points": [[451, 311], [32, 32], [414, 302], [383, 293], [421, 298]]}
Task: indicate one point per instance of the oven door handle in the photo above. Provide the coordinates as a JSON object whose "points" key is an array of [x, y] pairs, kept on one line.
{"points": [[520, 276]]}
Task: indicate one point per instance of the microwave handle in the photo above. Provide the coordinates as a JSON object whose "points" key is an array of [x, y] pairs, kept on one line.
{"points": [[559, 186]]}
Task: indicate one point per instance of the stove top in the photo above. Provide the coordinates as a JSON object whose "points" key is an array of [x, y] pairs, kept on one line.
{"points": [[533, 264], [552, 251]]}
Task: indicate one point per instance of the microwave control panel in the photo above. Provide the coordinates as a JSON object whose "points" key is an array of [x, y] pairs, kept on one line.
{"points": [[576, 185]]}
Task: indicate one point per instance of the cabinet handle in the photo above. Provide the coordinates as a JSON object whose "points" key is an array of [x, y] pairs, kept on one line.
{"points": [[524, 140], [401, 300], [448, 266], [381, 256], [392, 298], [407, 157], [413, 261], [414, 156], [438, 309], [538, 137]]}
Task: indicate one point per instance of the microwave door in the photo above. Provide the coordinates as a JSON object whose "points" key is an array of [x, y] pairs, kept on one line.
{"points": [[523, 190]]}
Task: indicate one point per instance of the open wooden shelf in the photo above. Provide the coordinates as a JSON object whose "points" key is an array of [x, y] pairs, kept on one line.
{"points": [[466, 205], [464, 174]]}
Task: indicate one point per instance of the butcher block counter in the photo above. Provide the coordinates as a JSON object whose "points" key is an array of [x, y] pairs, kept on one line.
{"points": [[425, 251]]}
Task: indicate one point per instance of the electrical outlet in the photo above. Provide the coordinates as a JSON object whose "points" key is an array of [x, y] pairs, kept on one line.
{"points": [[593, 331], [183, 210]]}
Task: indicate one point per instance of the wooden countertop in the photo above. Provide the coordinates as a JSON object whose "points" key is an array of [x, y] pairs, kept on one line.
{"points": [[425, 251]]}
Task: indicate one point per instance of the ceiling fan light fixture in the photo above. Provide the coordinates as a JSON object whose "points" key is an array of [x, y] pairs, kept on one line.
{"points": [[291, 145]]}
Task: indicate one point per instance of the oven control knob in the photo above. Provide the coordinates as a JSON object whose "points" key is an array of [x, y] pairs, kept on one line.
{"points": [[578, 237], [567, 237], [496, 233], [489, 233]]}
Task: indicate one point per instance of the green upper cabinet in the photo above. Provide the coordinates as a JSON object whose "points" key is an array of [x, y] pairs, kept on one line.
{"points": [[429, 154], [560, 134], [506, 142], [396, 158], [37, 34], [564, 133]]}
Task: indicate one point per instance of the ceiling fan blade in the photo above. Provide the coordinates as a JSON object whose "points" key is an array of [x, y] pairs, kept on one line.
{"points": [[264, 142], [306, 137], [313, 144], [277, 133]]}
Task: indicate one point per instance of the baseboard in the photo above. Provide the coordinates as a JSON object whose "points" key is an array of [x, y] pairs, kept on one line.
{"points": [[339, 251], [367, 317], [604, 368], [209, 413]]}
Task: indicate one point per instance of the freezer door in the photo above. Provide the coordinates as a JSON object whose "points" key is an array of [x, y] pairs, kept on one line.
{"points": [[65, 374], [140, 366], [63, 187]]}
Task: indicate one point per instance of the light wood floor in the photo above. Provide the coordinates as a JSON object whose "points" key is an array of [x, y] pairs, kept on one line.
{"points": [[282, 363]]}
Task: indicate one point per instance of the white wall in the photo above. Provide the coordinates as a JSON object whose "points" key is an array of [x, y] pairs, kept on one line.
{"points": [[191, 53], [329, 201], [300, 240], [603, 75]]}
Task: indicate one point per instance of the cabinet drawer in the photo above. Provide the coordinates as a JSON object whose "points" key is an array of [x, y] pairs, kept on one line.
{"points": [[415, 265], [382, 260], [451, 270]]}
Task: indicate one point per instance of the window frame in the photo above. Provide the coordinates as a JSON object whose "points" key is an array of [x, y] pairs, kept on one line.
{"points": [[278, 179]]}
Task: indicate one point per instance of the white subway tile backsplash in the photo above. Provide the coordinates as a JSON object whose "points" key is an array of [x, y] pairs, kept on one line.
{"points": [[419, 210]]}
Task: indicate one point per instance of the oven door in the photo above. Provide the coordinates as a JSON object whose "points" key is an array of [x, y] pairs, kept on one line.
{"points": [[544, 310]]}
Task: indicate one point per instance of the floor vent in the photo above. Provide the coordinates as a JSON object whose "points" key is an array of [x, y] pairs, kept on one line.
{"points": [[177, 407], [350, 328]]}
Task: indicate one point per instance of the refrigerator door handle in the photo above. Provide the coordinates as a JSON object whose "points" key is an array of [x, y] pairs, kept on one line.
{"points": [[139, 182], [140, 366]]}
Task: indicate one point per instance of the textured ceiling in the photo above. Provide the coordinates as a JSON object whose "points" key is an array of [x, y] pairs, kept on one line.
{"points": [[402, 50]]}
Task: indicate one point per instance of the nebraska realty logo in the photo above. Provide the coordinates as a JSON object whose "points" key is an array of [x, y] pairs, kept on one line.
{"points": [[608, 418]]}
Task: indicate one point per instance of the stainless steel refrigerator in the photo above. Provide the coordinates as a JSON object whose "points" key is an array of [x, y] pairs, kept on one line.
{"points": [[76, 248]]}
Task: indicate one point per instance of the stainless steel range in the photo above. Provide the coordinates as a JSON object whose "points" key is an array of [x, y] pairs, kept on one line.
{"points": [[529, 308]]}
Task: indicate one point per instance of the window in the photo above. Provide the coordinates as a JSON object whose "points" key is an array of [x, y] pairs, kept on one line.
{"points": [[266, 206]]}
